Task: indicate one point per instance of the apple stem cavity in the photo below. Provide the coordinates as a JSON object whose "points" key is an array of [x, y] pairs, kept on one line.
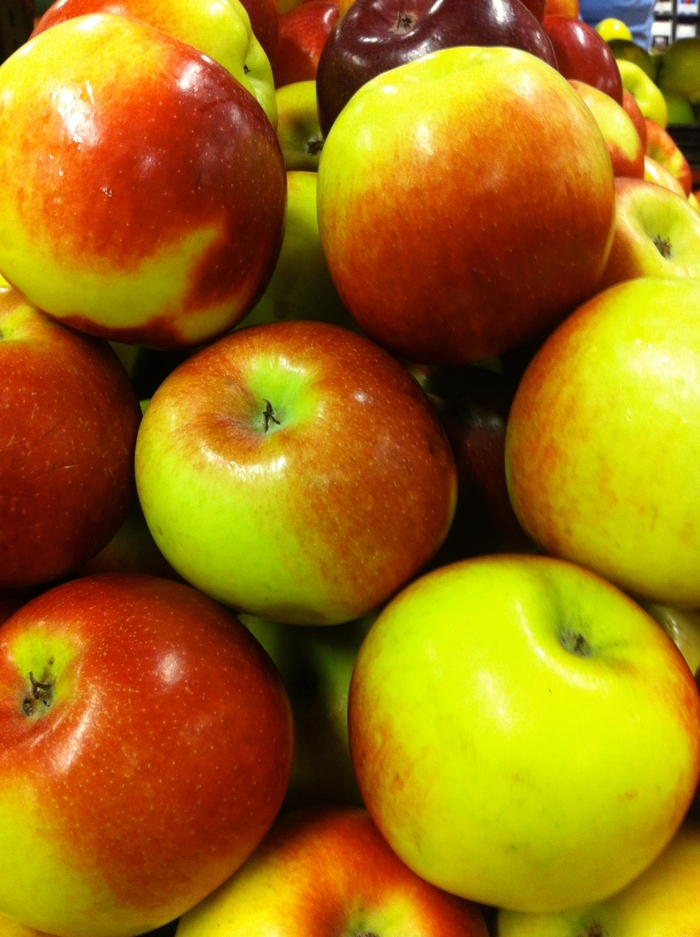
{"points": [[575, 643], [40, 694], [269, 415], [404, 23], [593, 930], [313, 146], [663, 246]]}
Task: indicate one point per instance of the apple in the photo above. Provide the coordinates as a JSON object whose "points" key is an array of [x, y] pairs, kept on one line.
{"points": [[603, 439], [301, 286], [665, 899], [480, 699], [152, 210], [316, 667], [146, 744], [583, 54], [295, 471], [264, 21], [222, 30], [633, 110], [67, 436], [562, 8], [657, 234], [679, 69], [430, 149], [328, 870], [694, 202], [631, 51], [647, 95], [683, 627], [680, 110], [655, 172], [298, 129], [303, 32], [375, 36], [662, 147], [610, 27], [621, 136]]}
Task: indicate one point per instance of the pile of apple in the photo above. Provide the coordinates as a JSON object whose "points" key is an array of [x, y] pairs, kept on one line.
{"points": [[349, 477]]}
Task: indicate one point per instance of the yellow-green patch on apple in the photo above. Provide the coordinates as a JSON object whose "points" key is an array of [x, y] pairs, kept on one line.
{"points": [[298, 129], [649, 97]]}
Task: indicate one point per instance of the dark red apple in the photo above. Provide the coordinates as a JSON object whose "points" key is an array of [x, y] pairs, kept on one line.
{"points": [[374, 36], [583, 54], [303, 33]]}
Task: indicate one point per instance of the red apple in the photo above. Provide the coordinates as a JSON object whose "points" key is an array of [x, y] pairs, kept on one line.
{"points": [[629, 102], [583, 54], [67, 436], [375, 36], [623, 141], [264, 19], [329, 871], [663, 148], [145, 749], [561, 8], [152, 209], [303, 32]]}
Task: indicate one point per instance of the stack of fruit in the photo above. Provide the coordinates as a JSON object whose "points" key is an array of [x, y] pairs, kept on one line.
{"points": [[349, 447]]}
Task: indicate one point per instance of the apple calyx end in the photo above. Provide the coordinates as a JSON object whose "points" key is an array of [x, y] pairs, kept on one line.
{"points": [[663, 246], [575, 643], [592, 930], [39, 697], [404, 23], [313, 146], [269, 415]]}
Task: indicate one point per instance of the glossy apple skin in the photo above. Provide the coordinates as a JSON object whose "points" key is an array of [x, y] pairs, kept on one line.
{"points": [[663, 900], [303, 33], [478, 270], [265, 22], [67, 437], [316, 519], [173, 174], [657, 234], [602, 471], [583, 54], [469, 755], [377, 35], [325, 871], [629, 103], [662, 147], [622, 138], [159, 766], [659, 175], [220, 29]]}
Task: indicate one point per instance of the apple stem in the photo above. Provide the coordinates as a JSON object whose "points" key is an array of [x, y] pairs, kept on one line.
{"points": [[575, 643], [269, 415], [41, 692], [663, 246]]}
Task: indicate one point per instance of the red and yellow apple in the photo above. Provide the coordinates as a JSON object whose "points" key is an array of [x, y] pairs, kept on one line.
{"points": [[623, 140], [663, 148], [583, 54]]}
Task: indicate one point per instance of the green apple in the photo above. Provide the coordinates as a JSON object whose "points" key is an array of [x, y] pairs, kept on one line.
{"points": [[328, 871], [629, 50], [647, 95], [603, 439], [663, 902], [657, 234], [301, 286], [502, 714], [298, 129], [680, 110], [613, 28], [219, 28], [680, 68]]}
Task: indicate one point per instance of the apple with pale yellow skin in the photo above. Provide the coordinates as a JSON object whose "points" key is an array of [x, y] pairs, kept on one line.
{"points": [[658, 174], [647, 95], [623, 141], [328, 871], [603, 439], [663, 902], [298, 129], [429, 149], [657, 234], [480, 699], [152, 210]]}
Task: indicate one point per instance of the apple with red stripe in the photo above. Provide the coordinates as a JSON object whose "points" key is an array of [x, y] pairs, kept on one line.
{"points": [[152, 209]]}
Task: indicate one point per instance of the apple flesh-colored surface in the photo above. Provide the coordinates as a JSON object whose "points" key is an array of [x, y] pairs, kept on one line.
{"points": [[294, 470], [657, 234], [603, 439], [328, 871], [583, 54], [430, 149], [152, 210], [68, 425], [621, 136], [480, 699], [663, 148], [663, 902], [220, 29], [145, 749], [377, 35]]}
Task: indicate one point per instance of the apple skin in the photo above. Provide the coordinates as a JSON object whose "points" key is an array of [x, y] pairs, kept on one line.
{"points": [[316, 513], [663, 900], [156, 770], [629, 103], [220, 29], [67, 436], [303, 33], [265, 23], [375, 36], [481, 270], [647, 95], [602, 471], [683, 627], [328, 871], [658, 174], [298, 129], [561, 8], [583, 54], [662, 147], [469, 701], [657, 234], [621, 135], [679, 68], [173, 173]]}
